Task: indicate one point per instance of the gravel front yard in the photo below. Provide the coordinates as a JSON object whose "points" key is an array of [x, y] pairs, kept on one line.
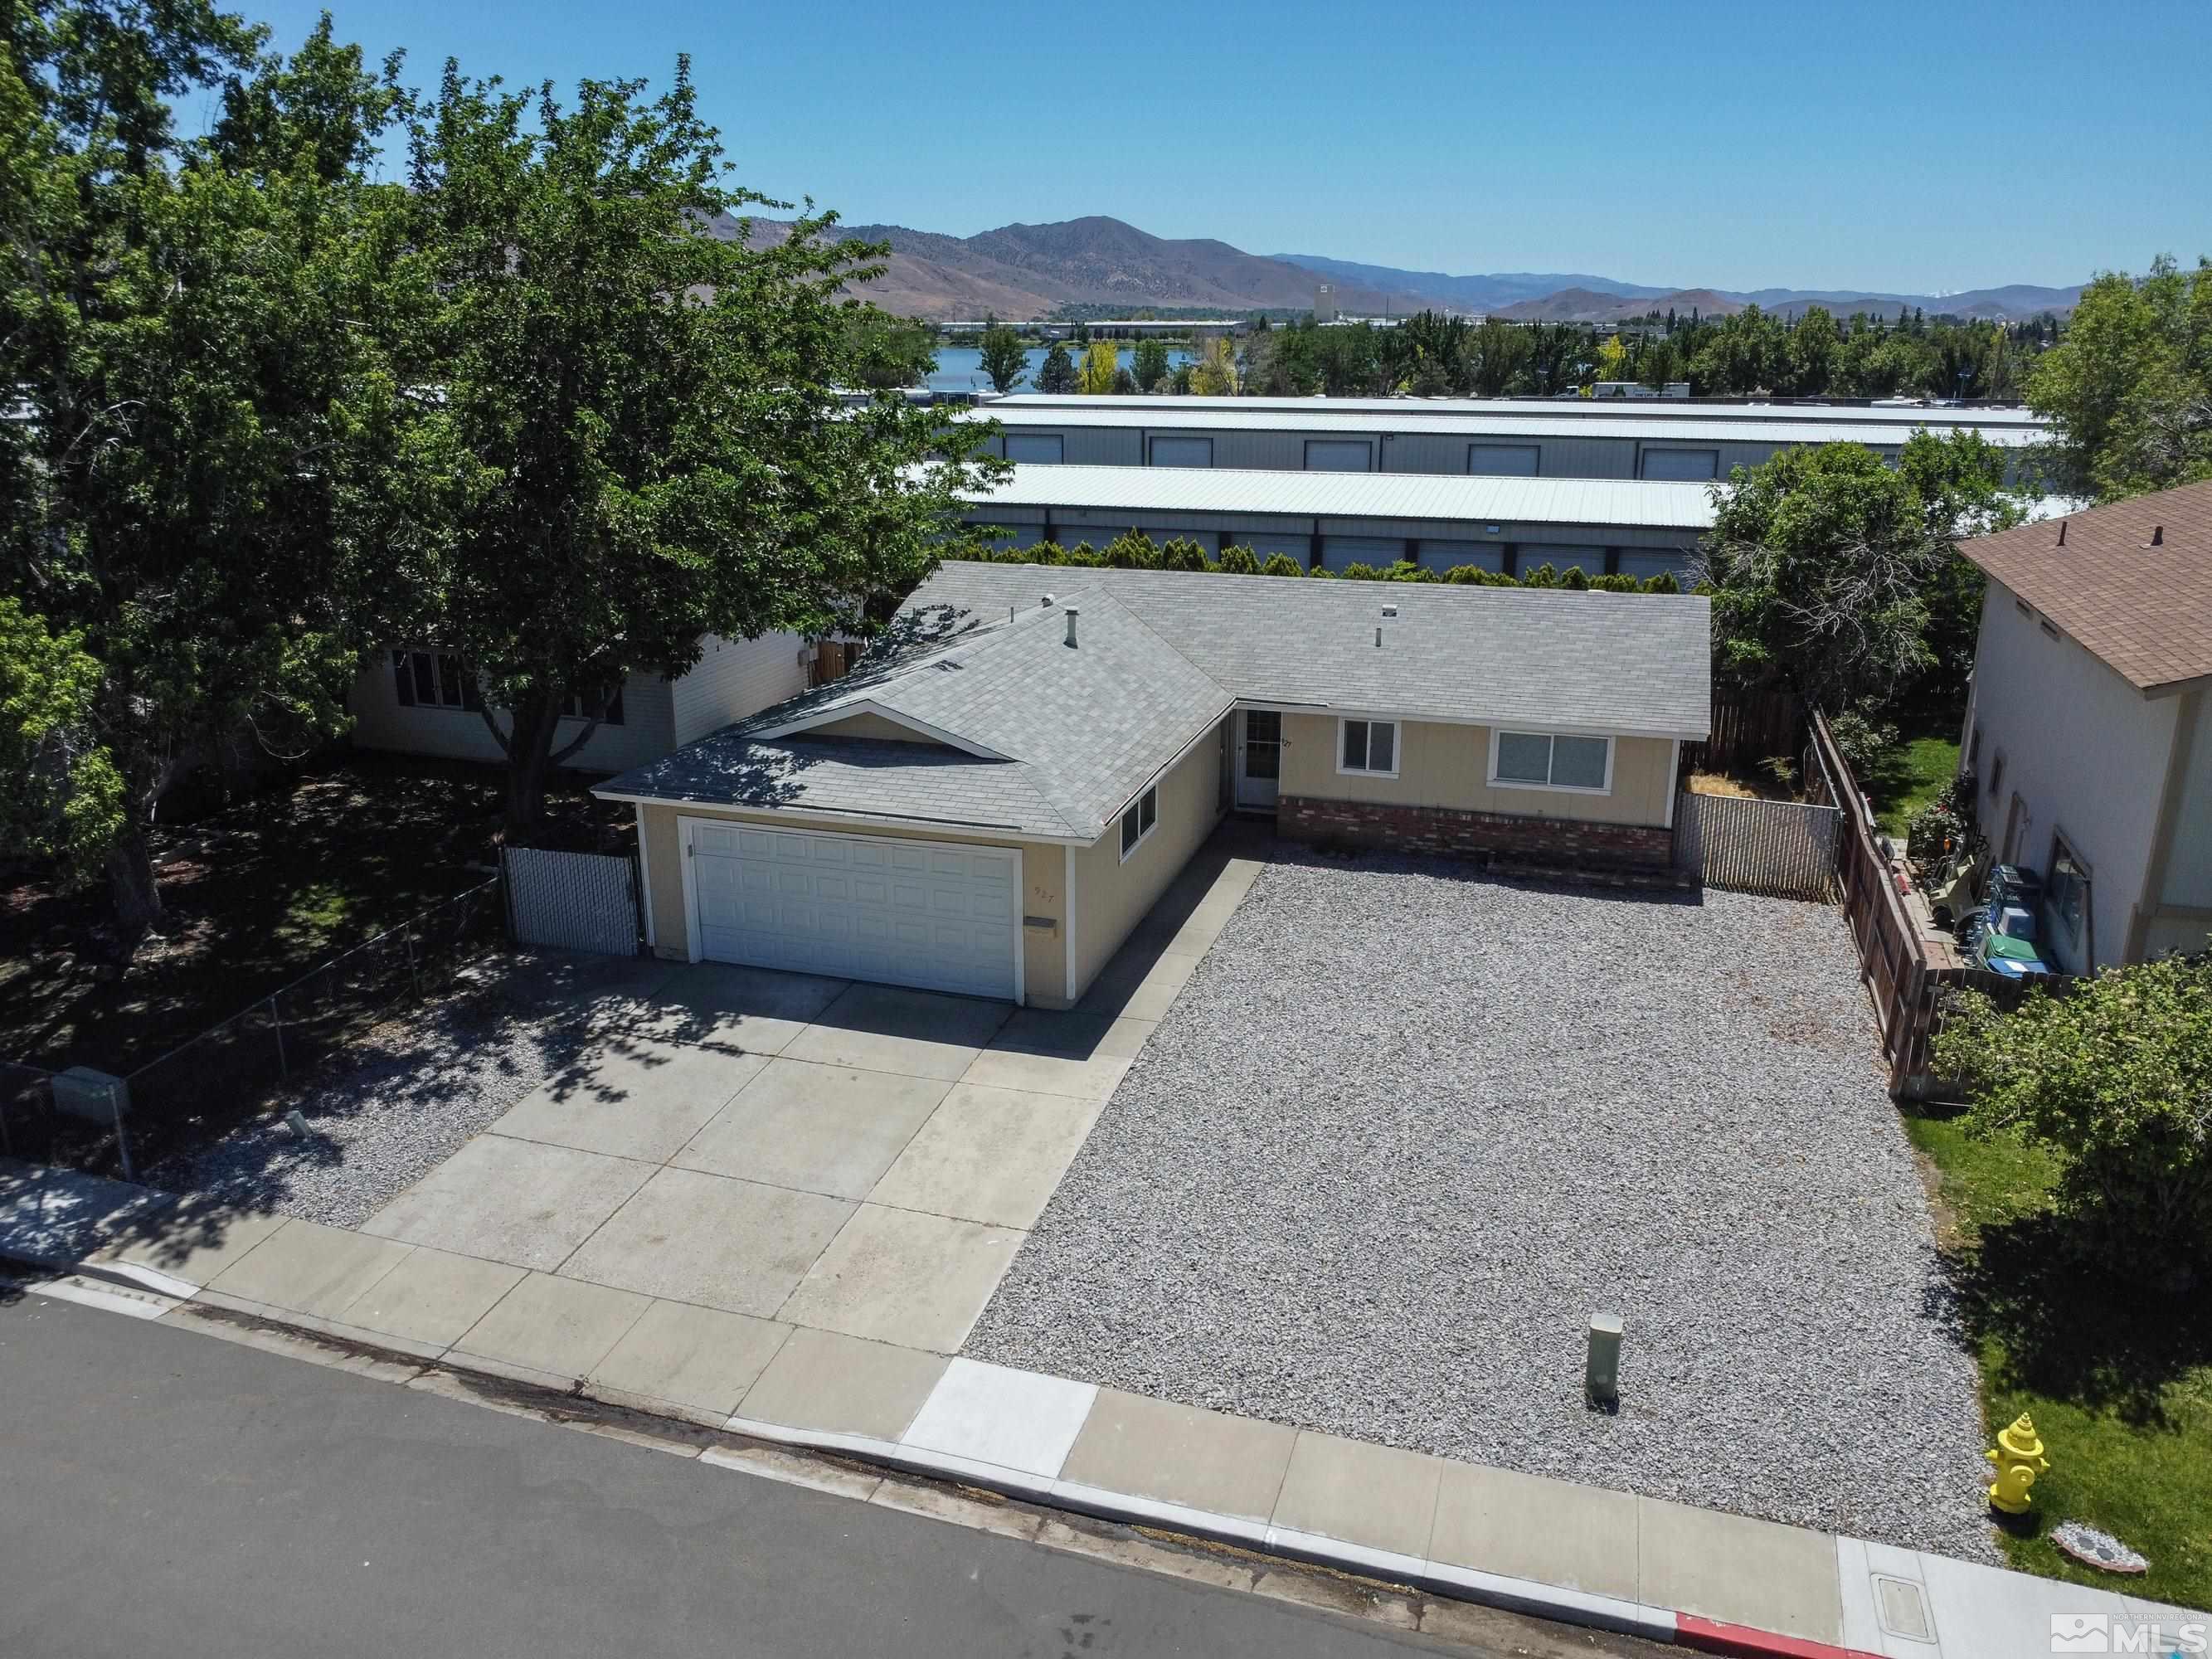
{"points": [[411, 1092], [1406, 1128]]}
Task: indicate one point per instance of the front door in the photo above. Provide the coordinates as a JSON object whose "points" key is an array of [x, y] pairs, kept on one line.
{"points": [[1259, 758]]}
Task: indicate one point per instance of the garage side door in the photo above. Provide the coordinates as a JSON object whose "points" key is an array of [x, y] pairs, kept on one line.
{"points": [[857, 907]]}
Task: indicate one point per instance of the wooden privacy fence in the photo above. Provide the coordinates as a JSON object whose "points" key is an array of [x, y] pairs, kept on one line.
{"points": [[1747, 728], [1907, 990], [1781, 847]]}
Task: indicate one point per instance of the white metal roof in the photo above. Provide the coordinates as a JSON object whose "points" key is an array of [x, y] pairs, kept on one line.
{"points": [[1902, 414], [1333, 417], [1637, 502]]}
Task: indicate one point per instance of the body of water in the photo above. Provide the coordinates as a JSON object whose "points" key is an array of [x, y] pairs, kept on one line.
{"points": [[960, 368]]}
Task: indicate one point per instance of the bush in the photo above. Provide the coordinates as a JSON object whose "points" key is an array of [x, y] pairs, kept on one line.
{"points": [[1615, 584], [2115, 1078], [1048, 553], [1949, 819], [1321, 571], [1575, 581], [1239, 562], [1468, 575], [1860, 741], [1133, 550], [1406, 570], [1542, 576], [1664, 582], [1183, 553], [1281, 564], [1362, 573]]}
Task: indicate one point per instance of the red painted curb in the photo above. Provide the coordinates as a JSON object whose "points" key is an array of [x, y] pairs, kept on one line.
{"points": [[1742, 1641]]}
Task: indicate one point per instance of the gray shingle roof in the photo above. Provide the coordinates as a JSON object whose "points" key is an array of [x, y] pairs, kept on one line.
{"points": [[1072, 732], [1069, 735], [1631, 663]]}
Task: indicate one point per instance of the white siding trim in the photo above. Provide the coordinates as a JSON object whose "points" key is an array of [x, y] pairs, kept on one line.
{"points": [[1068, 922], [1673, 778], [845, 711]]}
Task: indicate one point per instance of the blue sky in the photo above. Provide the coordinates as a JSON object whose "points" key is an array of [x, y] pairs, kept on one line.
{"points": [[1943, 146]]}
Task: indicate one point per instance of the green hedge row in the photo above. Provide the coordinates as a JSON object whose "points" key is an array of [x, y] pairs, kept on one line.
{"points": [[1135, 552]]}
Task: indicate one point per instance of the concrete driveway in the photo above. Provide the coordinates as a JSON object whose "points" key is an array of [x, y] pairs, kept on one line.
{"points": [[860, 1158]]}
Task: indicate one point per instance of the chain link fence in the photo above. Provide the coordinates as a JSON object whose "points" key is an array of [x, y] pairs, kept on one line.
{"points": [[224, 1073]]}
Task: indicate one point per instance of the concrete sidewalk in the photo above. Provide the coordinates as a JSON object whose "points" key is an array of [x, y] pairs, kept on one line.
{"points": [[1719, 1582]]}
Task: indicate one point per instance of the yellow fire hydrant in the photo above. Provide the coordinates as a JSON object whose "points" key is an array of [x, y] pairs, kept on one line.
{"points": [[2019, 1458]]}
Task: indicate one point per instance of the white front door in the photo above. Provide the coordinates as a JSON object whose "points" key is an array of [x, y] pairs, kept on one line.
{"points": [[930, 914], [1259, 758]]}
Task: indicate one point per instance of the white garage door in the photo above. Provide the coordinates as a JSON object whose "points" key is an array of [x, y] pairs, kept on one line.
{"points": [[858, 907]]}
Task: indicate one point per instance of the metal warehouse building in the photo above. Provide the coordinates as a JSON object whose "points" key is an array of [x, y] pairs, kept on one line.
{"points": [[1935, 416], [1330, 519], [1334, 436]]}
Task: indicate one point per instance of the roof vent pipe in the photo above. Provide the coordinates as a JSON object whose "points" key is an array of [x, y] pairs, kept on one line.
{"points": [[2062, 532], [1047, 599], [1072, 613]]}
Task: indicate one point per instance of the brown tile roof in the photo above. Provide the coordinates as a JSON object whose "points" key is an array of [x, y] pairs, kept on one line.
{"points": [[2132, 582]]}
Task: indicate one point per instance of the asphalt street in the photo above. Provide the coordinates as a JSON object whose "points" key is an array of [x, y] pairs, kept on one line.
{"points": [[164, 1491]]}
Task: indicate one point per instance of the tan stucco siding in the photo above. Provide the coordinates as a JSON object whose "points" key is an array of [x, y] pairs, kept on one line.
{"points": [[1448, 766], [1044, 950], [866, 724], [1112, 894]]}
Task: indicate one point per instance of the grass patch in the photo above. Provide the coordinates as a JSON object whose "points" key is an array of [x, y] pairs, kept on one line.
{"points": [[2118, 1381], [1907, 778]]}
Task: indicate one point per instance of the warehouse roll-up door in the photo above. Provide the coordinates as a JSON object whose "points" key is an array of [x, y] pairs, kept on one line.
{"points": [[1011, 535], [1441, 557], [1338, 455], [1681, 464], [1264, 543], [1035, 446], [1590, 560], [929, 914], [1502, 460], [1183, 452], [1338, 552], [1643, 563]]}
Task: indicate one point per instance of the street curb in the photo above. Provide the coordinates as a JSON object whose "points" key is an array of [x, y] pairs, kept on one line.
{"points": [[1529, 1597], [1742, 1642]]}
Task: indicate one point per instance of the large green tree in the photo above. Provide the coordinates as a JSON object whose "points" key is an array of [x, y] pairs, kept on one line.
{"points": [[1056, 373], [197, 512], [2128, 391], [637, 440], [1002, 355], [1834, 576], [886, 352]]}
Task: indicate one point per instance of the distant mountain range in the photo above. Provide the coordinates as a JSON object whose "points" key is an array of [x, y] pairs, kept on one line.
{"points": [[1023, 272]]}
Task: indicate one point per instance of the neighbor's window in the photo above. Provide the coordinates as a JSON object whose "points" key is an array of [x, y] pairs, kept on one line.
{"points": [[2066, 909], [579, 708], [1538, 760], [1137, 823], [1974, 745], [1369, 746], [433, 679]]}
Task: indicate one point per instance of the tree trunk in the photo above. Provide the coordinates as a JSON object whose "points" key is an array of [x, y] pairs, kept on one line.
{"points": [[137, 897], [529, 758]]}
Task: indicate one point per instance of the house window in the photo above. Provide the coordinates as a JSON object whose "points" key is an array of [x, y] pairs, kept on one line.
{"points": [[1974, 747], [1369, 746], [579, 707], [1138, 821], [2066, 916], [1996, 775], [434, 679], [1543, 760]]}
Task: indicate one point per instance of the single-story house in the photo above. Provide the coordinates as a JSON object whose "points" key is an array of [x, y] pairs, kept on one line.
{"points": [[418, 699], [993, 798], [2087, 730]]}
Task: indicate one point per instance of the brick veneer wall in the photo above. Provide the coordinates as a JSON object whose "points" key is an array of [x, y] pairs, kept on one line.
{"points": [[1446, 830]]}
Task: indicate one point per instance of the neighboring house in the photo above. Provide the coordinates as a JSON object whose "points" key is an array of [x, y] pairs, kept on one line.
{"points": [[2088, 731], [996, 796], [420, 700]]}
